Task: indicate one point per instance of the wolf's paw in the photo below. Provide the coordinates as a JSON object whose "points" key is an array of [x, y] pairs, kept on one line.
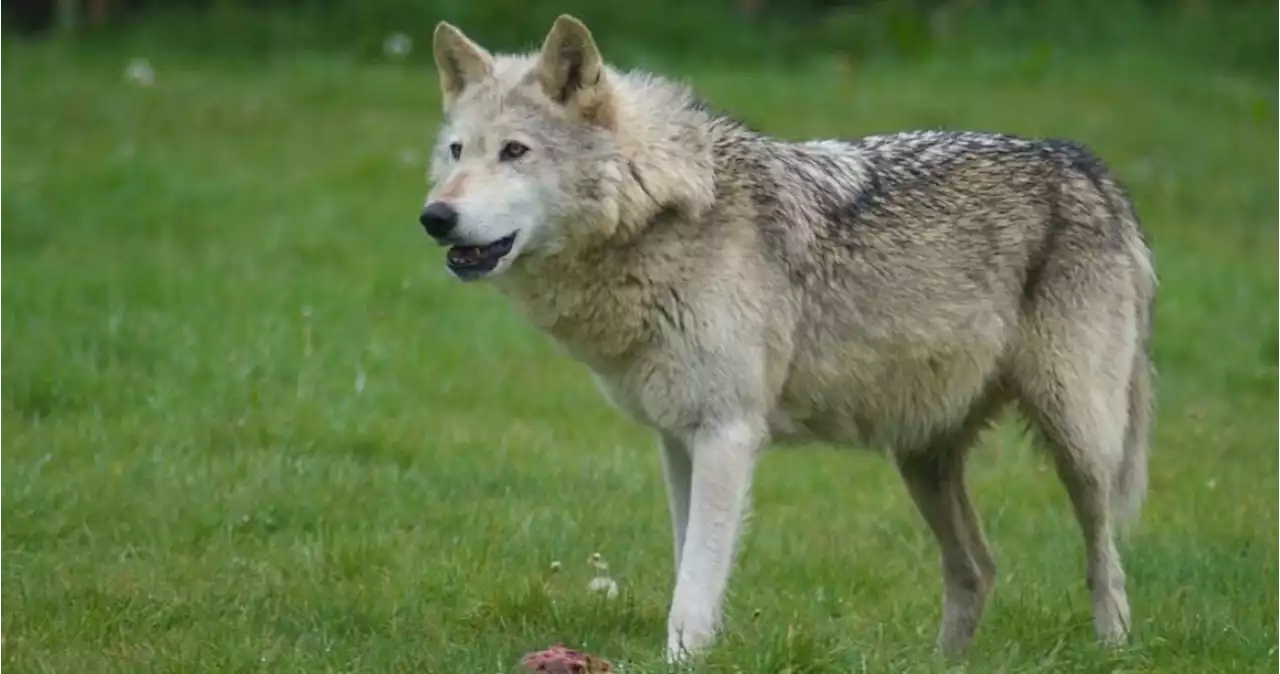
{"points": [[688, 638]]}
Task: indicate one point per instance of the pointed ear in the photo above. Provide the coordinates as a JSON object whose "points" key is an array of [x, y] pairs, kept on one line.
{"points": [[572, 72], [459, 62]]}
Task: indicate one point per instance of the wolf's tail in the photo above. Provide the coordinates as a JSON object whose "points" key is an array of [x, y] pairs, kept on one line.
{"points": [[1130, 486]]}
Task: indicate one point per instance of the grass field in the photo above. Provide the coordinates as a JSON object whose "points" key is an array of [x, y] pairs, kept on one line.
{"points": [[250, 424]]}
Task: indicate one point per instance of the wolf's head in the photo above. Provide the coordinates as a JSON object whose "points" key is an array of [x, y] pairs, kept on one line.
{"points": [[535, 154]]}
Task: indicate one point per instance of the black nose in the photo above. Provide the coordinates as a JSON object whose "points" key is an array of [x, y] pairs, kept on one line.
{"points": [[439, 219]]}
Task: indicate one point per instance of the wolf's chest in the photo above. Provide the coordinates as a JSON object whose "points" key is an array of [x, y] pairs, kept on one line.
{"points": [[595, 323]]}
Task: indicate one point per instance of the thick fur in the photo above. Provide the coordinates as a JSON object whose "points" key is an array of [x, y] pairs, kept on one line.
{"points": [[733, 290]]}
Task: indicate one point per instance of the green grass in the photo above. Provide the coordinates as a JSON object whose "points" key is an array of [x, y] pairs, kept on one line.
{"points": [[198, 274]]}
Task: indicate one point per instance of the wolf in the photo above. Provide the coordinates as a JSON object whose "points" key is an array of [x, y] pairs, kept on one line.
{"points": [[734, 291]]}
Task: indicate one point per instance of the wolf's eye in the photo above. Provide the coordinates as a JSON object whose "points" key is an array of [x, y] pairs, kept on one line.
{"points": [[511, 150], [455, 149]]}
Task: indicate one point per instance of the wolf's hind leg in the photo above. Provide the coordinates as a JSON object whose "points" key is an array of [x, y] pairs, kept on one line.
{"points": [[1074, 380], [935, 478]]}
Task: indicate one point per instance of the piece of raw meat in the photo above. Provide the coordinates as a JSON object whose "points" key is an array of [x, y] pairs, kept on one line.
{"points": [[561, 660]]}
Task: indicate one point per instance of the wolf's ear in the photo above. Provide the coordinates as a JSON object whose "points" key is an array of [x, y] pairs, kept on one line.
{"points": [[571, 71], [459, 61]]}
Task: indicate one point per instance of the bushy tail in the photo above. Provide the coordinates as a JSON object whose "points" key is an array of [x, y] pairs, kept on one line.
{"points": [[1130, 487]]}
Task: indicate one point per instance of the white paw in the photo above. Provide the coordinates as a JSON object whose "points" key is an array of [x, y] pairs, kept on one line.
{"points": [[688, 636]]}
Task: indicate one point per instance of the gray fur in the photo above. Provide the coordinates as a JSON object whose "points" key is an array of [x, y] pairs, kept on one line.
{"points": [[733, 290]]}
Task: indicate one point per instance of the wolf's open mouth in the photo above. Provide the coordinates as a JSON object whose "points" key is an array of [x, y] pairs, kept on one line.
{"points": [[470, 262]]}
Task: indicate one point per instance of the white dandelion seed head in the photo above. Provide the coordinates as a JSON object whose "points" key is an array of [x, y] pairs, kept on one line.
{"points": [[604, 585], [397, 45], [139, 72]]}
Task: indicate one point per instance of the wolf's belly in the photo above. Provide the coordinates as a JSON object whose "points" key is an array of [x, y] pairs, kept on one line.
{"points": [[882, 401]]}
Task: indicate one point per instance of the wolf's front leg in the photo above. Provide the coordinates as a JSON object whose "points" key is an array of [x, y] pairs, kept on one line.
{"points": [[677, 469], [723, 456]]}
